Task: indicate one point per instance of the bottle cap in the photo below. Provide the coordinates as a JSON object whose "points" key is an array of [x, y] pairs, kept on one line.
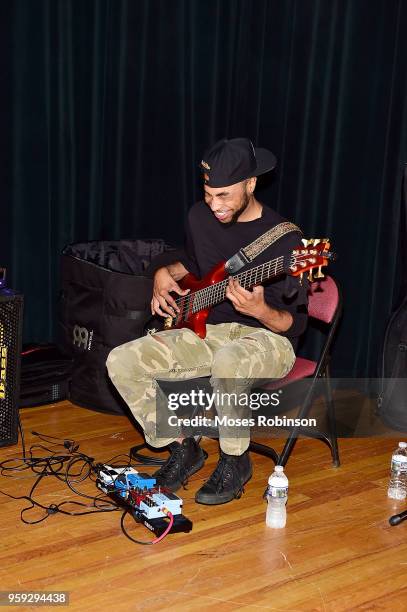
{"points": [[279, 469], [402, 444]]}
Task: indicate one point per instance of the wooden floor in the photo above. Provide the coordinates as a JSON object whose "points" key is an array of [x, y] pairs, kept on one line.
{"points": [[337, 551]]}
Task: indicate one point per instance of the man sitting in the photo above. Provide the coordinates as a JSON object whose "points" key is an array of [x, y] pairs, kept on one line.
{"points": [[250, 336]]}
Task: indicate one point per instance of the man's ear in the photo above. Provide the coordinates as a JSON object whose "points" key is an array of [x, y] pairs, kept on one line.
{"points": [[251, 184]]}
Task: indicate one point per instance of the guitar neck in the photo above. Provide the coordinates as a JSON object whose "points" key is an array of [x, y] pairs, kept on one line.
{"points": [[214, 294], [313, 253]]}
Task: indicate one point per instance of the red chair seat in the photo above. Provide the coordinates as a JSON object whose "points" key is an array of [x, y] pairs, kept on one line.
{"points": [[301, 369]]}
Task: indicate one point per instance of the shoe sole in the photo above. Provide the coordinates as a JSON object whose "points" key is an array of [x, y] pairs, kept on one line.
{"points": [[209, 500]]}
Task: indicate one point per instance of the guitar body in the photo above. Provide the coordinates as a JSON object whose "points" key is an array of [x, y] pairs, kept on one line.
{"points": [[197, 321]]}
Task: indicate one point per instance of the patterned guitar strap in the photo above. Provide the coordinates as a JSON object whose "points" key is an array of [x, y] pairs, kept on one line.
{"points": [[252, 250]]}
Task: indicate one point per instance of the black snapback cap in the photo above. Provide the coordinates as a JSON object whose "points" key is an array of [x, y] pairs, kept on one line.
{"points": [[231, 161]]}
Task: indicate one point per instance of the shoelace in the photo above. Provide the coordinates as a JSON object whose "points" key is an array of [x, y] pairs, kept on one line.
{"points": [[220, 475], [171, 466]]}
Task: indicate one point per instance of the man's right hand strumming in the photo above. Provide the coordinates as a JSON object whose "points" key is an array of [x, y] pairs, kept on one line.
{"points": [[165, 282]]}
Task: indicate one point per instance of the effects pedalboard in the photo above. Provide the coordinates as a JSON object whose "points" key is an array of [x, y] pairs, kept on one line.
{"points": [[147, 503]]}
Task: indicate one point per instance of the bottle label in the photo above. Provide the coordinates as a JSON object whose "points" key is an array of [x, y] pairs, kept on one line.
{"points": [[278, 491], [399, 463]]}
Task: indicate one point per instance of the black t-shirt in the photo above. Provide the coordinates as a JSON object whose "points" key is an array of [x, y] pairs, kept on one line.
{"points": [[209, 242]]}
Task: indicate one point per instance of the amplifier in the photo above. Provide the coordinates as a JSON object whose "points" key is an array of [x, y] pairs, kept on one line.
{"points": [[11, 323]]}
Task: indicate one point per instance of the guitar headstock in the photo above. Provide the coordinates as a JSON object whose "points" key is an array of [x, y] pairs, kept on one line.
{"points": [[313, 254]]}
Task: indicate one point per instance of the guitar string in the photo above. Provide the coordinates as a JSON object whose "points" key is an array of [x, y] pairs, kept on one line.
{"points": [[215, 293], [212, 294], [248, 278]]}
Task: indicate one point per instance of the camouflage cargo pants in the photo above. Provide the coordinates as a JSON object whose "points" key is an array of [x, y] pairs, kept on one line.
{"points": [[235, 356]]}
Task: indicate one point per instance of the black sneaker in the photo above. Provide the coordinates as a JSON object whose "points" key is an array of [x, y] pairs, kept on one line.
{"points": [[185, 459], [227, 481]]}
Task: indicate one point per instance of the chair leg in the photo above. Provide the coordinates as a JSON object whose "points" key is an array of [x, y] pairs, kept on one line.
{"points": [[331, 417], [263, 449], [292, 438], [287, 450]]}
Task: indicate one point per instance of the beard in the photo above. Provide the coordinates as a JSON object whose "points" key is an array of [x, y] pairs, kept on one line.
{"points": [[243, 205]]}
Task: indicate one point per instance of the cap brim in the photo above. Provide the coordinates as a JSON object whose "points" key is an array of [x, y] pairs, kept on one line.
{"points": [[266, 161]]}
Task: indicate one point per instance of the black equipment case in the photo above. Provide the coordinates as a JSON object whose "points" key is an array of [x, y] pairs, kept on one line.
{"points": [[105, 302], [45, 375], [11, 325]]}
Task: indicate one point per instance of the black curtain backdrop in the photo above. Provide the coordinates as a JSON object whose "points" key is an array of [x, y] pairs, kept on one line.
{"points": [[107, 106]]}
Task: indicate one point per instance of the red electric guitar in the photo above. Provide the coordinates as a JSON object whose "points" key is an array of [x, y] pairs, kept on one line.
{"points": [[195, 306]]}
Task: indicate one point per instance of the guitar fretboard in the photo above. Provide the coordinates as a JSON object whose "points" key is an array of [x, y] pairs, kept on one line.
{"points": [[214, 294]]}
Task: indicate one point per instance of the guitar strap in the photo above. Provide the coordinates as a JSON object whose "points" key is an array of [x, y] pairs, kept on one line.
{"points": [[252, 250]]}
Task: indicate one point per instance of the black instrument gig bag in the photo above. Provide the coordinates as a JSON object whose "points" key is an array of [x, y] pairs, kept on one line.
{"points": [[392, 400], [105, 302]]}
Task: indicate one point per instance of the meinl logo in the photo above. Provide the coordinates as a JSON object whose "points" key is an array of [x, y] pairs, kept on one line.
{"points": [[82, 338]]}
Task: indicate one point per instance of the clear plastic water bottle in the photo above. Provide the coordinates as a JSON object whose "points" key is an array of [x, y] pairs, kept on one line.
{"points": [[277, 493], [398, 475]]}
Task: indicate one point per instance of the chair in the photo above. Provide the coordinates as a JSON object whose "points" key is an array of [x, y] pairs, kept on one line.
{"points": [[324, 310]]}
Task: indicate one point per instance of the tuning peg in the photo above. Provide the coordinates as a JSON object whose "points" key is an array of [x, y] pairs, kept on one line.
{"points": [[305, 242], [316, 241], [301, 275], [318, 273], [311, 280]]}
